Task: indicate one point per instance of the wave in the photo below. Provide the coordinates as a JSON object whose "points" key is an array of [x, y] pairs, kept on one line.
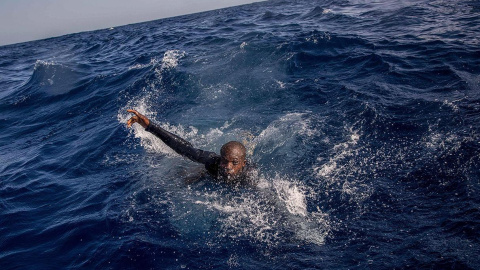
{"points": [[363, 127], [317, 12], [49, 79]]}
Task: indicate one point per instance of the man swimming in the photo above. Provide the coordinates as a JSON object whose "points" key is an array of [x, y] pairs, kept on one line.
{"points": [[231, 166]]}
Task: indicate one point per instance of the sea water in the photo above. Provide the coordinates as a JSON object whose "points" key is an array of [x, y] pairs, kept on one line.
{"points": [[362, 118]]}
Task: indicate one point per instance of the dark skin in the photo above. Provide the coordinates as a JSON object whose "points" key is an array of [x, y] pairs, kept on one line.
{"points": [[233, 159], [141, 119], [233, 154]]}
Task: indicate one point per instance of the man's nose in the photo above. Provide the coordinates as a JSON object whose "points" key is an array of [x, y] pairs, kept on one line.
{"points": [[229, 166]]}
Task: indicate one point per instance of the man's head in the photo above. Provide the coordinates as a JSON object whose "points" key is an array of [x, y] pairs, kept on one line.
{"points": [[232, 159]]}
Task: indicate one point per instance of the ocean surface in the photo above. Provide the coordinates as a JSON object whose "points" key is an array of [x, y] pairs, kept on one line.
{"points": [[363, 118]]}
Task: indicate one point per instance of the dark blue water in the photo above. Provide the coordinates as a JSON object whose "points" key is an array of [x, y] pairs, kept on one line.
{"points": [[363, 119]]}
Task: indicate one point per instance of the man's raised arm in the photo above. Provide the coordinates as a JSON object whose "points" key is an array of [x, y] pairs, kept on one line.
{"points": [[178, 144]]}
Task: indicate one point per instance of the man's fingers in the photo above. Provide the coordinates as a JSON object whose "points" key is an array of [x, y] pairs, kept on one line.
{"points": [[132, 121], [138, 118], [134, 112]]}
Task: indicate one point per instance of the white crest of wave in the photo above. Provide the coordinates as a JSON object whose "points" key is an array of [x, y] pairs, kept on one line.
{"points": [[326, 11], [171, 58], [40, 63], [153, 62]]}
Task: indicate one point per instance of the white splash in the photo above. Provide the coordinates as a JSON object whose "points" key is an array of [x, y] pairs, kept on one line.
{"points": [[292, 196], [283, 132], [141, 104], [436, 140], [344, 171], [341, 151], [326, 11], [40, 63], [171, 58], [153, 62], [266, 217], [280, 84]]}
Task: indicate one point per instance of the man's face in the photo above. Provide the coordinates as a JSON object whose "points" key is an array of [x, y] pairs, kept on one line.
{"points": [[232, 163]]}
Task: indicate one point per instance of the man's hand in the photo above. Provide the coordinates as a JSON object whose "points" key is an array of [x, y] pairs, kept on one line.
{"points": [[138, 118]]}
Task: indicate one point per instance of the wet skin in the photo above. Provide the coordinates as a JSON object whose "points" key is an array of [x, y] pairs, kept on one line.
{"points": [[232, 161]]}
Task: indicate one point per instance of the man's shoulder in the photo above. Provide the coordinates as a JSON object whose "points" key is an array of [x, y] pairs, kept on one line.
{"points": [[212, 163]]}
